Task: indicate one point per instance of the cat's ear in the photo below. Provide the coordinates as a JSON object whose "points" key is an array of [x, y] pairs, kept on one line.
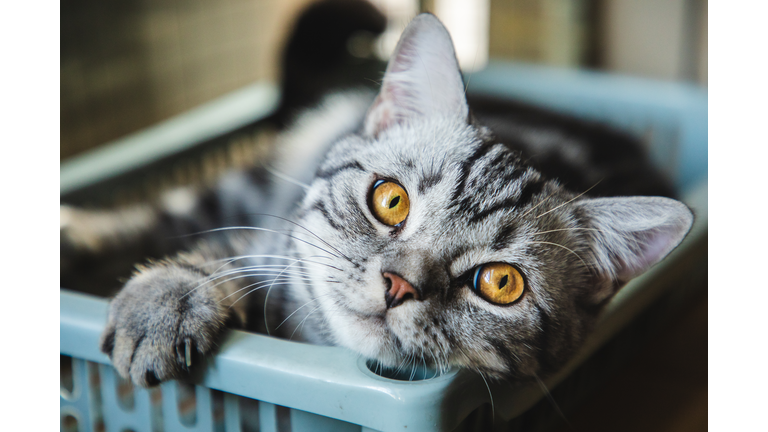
{"points": [[630, 234], [422, 78]]}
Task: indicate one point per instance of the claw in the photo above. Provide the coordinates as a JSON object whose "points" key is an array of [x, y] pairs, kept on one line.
{"points": [[188, 353]]}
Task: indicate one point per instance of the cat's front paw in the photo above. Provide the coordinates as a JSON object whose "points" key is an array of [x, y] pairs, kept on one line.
{"points": [[162, 323]]}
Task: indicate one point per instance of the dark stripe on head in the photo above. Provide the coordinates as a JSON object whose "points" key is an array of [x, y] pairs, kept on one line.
{"points": [[429, 180], [503, 237], [351, 205], [511, 175], [319, 206], [505, 204], [529, 191], [327, 174], [466, 167]]}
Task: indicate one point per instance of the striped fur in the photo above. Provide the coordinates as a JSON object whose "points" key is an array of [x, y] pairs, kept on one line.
{"points": [[313, 269]]}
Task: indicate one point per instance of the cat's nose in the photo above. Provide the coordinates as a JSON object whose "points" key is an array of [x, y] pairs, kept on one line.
{"points": [[399, 290]]}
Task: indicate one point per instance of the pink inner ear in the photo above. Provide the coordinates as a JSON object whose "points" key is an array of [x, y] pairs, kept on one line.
{"points": [[378, 118], [422, 79], [654, 245]]}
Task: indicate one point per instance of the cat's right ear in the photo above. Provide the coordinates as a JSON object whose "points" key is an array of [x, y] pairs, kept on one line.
{"points": [[422, 79]]}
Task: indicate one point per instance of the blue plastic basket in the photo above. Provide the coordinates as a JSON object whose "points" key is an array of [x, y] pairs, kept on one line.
{"points": [[261, 383]]}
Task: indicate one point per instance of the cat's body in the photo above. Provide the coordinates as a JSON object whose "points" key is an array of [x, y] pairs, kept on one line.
{"points": [[408, 231]]}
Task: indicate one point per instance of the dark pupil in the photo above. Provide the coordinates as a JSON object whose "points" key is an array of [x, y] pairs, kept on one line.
{"points": [[394, 201], [503, 281]]}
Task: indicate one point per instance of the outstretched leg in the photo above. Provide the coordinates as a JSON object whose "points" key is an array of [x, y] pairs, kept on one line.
{"points": [[173, 311]]}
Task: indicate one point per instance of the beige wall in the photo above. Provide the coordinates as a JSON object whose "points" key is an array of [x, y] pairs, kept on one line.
{"points": [[550, 32], [127, 66], [665, 39]]}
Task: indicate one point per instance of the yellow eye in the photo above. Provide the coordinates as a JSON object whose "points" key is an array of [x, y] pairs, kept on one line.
{"points": [[498, 283], [389, 203]]}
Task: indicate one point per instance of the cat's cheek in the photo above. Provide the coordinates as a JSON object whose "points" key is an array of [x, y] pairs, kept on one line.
{"points": [[367, 335], [367, 301]]}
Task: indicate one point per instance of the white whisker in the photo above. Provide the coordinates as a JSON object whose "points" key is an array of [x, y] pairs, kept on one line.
{"points": [[232, 228], [540, 203], [552, 401], [559, 245], [307, 230], [304, 320], [570, 200], [298, 309], [490, 395], [285, 177]]}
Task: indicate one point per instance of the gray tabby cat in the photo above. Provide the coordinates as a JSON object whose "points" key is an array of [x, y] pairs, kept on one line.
{"points": [[420, 239]]}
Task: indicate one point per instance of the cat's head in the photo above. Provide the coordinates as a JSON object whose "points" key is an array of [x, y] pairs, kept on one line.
{"points": [[445, 248]]}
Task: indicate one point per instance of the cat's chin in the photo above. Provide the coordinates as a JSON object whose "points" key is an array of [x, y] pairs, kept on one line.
{"points": [[370, 335], [391, 338]]}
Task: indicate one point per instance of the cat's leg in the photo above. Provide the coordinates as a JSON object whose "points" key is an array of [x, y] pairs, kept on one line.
{"points": [[97, 247], [172, 312], [100, 246]]}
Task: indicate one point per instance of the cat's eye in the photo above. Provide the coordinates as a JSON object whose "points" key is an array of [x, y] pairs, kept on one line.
{"points": [[389, 202], [498, 283]]}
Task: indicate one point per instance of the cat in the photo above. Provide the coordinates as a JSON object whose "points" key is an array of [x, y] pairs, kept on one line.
{"points": [[401, 225]]}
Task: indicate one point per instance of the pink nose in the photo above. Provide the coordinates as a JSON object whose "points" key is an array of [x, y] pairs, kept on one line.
{"points": [[399, 291]]}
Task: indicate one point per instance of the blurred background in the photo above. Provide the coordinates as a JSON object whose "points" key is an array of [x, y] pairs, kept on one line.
{"points": [[128, 65]]}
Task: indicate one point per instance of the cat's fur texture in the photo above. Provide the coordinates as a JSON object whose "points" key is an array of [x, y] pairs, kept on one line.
{"points": [[477, 195]]}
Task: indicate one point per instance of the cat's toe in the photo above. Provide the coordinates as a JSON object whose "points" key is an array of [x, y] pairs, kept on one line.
{"points": [[123, 351], [162, 357], [154, 361], [107, 343]]}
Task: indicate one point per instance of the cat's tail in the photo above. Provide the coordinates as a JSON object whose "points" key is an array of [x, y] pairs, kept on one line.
{"points": [[330, 48]]}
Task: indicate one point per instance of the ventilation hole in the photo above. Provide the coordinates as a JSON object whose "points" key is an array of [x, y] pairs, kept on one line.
{"points": [[217, 400], [156, 396], [66, 380], [405, 373], [249, 415], [94, 378], [125, 393], [69, 423], [156, 407], [283, 418], [187, 403], [94, 382]]}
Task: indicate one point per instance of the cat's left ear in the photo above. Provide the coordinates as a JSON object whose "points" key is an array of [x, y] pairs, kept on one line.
{"points": [[631, 234], [422, 78]]}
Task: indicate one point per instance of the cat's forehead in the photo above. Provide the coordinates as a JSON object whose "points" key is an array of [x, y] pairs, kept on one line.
{"points": [[411, 147]]}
